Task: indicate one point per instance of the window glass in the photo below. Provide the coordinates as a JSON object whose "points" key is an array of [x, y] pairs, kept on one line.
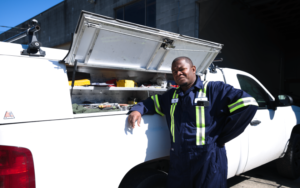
{"points": [[120, 14], [255, 90], [151, 13], [141, 12], [135, 12]]}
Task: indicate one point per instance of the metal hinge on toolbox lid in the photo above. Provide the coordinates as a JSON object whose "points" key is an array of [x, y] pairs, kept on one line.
{"points": [[101, 41]]}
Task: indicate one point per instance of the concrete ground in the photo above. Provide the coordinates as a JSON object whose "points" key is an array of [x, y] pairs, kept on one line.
{"points": [[265, 176]]}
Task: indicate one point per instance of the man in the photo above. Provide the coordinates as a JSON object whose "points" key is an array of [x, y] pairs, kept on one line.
{"points": [[202, 117]]}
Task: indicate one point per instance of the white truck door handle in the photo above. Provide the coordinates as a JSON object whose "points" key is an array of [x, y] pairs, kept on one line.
{"points": [[255, 122]]}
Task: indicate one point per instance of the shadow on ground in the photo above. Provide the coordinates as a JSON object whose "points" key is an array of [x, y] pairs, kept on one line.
{"points": [[262, 177]]}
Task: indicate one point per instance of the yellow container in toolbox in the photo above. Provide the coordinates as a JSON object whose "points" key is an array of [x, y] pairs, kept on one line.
{"points": [[83, 82], [125, 83]]}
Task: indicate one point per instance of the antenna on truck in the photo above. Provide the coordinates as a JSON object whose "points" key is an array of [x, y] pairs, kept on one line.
{"points": [[214, 67], [33, 44]]}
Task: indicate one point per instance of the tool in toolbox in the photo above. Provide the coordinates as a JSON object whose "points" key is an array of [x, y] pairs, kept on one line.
{"points": [[101, 105], [132, 100], [110, 108], [107, 106], [126, 83], [84, 82], [172, 84], [125, 107], [109, 83]]}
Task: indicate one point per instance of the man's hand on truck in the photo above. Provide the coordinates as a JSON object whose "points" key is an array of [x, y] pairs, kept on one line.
{"points": [[133, 117]]}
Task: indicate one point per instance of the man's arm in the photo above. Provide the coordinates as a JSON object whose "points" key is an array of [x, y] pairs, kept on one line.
{"points": [[152, 105], [236, 123], [141, 108], [239, 109]]}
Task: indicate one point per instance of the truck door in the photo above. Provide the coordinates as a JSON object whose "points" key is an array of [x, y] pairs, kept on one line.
{"points": [[266, 134]]}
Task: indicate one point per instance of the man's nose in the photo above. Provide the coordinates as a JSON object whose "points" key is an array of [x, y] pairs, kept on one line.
{"points": [[179, 73]]}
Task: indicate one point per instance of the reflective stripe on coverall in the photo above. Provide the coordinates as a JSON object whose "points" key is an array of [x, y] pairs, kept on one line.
{"points": [[193, 163]]}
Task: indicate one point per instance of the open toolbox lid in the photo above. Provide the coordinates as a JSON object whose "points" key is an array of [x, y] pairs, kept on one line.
{"points": [[101, 41]]}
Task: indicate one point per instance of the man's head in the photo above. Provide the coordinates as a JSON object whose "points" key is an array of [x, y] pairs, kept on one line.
{"points": [[184, 72]]}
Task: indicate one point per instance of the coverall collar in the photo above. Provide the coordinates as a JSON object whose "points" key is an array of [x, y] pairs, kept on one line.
{"points": [[197, 85]]}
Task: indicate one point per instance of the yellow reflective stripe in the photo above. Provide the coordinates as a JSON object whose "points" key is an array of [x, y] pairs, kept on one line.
{"points": [[241, 103], [200, 123], [200, 94], [157, 102], [235, 103], [203, 94], [173, 118], [172, 110], [200, 118], [173, 121], [205, 88], [156, 105], [203, 125], [198, 134]]}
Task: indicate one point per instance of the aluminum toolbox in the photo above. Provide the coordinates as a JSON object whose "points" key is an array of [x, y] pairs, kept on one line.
{"points": [[105, 42]]}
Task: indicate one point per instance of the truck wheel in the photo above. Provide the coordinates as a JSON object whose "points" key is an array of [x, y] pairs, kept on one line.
{"points": [[145, 178], [289, 165]]}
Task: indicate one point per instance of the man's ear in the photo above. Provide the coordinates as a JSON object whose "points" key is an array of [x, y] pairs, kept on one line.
{"points": [[194, 69]]}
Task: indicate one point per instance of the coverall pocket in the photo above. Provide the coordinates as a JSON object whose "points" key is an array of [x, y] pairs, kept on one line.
{"points": [[190, 134], [179, 163], [179, 172], [214, 175]]}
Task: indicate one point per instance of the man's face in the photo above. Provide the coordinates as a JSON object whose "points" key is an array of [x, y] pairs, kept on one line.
{"points": [[183, 72]]}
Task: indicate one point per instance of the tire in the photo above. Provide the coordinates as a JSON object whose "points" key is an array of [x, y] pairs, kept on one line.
{"points": [[289, 165], [145, 178]]}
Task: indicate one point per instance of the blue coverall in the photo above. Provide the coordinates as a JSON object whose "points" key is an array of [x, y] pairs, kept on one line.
{"points": [[203, 162]]}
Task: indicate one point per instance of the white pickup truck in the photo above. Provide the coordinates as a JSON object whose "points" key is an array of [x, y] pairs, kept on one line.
{"points": [[44, 144]]}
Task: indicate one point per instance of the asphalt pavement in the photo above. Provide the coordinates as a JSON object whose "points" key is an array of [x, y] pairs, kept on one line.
{"points": [[265, 176]]}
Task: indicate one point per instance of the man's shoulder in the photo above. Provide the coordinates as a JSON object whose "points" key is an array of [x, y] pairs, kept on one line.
{"points": [[219, 86], [216, 84], [170, 91]]}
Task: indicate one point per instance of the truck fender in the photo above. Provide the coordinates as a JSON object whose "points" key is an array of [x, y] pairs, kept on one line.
{"points": [[285, 148], [159, 165], [296, 129]]}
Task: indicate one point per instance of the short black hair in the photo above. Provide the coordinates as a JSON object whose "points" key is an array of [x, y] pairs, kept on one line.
{"points": [[188, 60]]}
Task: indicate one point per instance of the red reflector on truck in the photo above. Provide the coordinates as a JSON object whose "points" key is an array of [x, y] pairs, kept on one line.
{"points": [[16, 168]]}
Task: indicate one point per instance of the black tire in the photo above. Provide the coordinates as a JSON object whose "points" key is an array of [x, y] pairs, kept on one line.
{"points": [[289, 165], [145, 178]]}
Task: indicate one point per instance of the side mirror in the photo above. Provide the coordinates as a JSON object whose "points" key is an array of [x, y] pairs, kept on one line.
{"points": [[284, 100]]}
